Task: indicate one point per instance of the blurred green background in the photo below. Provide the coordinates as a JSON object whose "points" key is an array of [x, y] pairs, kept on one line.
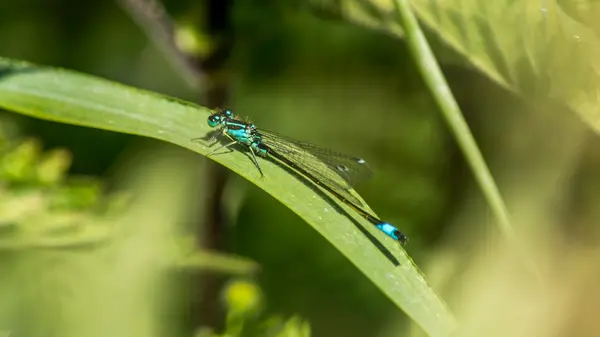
{"points": [[313, 78]]}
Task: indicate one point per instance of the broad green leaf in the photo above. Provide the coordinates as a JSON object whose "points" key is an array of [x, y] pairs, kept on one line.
{"points": [[73, 98], [538, 48]]}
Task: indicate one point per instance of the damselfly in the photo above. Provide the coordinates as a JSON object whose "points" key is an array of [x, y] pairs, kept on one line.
{"points": [[335, 172]]}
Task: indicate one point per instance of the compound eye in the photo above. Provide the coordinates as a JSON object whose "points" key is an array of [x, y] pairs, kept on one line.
{"points": [[228, 113], [213, 120]]}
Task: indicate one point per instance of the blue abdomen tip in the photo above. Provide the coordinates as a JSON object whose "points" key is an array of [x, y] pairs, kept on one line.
{"points": [[393, 232]]}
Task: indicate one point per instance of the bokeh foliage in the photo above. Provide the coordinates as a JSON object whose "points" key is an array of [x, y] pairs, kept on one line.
{"points": [[308, 72]]}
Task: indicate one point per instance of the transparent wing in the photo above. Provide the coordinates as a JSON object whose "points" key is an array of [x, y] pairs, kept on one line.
{"points": [[339, 171]]}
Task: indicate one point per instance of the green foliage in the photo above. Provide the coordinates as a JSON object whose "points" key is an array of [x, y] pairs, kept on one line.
{"points": [[292, 69], [244, 303], [40, 207], [65, 247], [531, 47]]}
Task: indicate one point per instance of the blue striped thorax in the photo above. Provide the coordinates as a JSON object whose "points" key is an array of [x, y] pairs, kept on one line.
{"points": [[240, 131]]}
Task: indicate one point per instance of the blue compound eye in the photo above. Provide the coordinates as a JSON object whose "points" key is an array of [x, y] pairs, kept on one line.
{"points": [[214, 120], [228, 113]]}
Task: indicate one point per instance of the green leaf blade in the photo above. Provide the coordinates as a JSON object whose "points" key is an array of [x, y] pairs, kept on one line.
{"points": [[73, 98]]}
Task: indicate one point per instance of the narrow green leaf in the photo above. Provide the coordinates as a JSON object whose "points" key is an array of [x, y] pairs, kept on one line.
{"points": [[73, 98]]}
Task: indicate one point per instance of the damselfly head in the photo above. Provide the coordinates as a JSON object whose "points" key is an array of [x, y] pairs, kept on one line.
{"points": [[219, 117]]}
